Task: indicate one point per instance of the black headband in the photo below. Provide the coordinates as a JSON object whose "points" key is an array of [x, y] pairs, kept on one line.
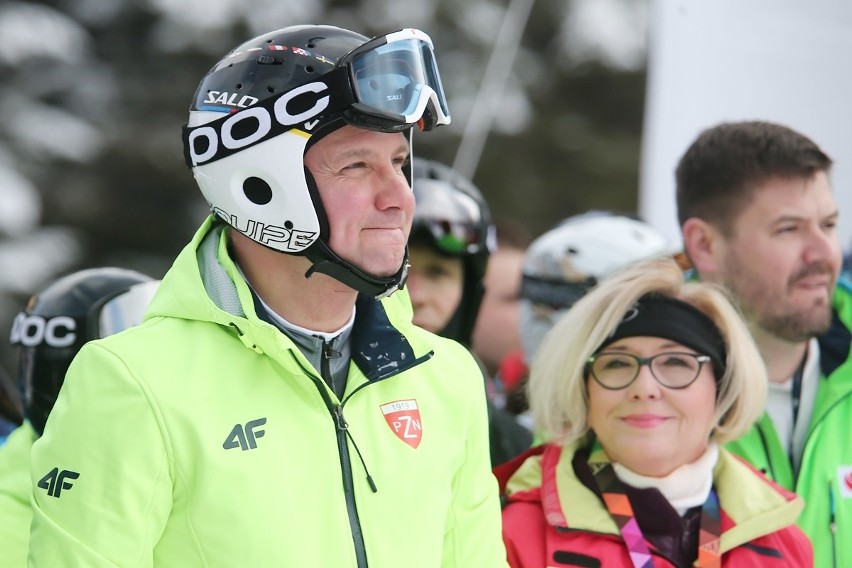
{"points": [[656, 315]]}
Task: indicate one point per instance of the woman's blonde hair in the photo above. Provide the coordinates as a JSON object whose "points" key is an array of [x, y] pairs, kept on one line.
{"points": [[557, 387]]}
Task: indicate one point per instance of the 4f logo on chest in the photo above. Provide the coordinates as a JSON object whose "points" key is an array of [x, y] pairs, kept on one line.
{"points": [[246, 437], [403, 417]]}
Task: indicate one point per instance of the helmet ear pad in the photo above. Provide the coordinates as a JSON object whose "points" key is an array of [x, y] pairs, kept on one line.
{"points": [[256, 193]]}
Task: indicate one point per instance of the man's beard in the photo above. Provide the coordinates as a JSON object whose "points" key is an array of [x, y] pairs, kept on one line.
{"points": [[775, 315]]}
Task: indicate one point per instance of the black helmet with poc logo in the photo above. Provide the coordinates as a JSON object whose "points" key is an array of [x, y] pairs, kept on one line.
{"points": [[258, 110], [58, 320]]}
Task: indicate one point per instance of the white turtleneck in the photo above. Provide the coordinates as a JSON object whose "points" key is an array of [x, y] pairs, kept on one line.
{"points": [[686, 487]]}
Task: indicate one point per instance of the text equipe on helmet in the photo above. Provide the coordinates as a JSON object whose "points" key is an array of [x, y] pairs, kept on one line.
{"points": [[285, 239]]}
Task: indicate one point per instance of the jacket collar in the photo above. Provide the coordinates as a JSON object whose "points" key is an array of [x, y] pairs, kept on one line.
{"points": [[205, 284], [752, 506]]}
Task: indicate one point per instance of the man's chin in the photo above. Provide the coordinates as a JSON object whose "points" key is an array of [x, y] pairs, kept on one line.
{"points": [[385, 271], [801, 327]]}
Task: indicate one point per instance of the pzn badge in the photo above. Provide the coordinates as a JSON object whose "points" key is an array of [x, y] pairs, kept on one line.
{"points": [[403, 417]]}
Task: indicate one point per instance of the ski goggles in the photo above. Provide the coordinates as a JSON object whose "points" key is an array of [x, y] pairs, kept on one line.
{"points": [[452, 219], [127, 309], [394, 78], [60, 331], [555, 293]]}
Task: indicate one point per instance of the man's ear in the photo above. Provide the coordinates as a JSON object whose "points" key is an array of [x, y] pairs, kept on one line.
{"points": [[702, 243]]}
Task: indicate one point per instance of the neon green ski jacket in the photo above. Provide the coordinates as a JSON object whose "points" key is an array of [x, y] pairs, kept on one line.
{"points": [[15, 490], [203, 437], [825, 476]]}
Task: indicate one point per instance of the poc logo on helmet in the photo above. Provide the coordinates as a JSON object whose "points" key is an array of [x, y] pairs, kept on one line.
{"points": [[254, 123], [31, 331]]}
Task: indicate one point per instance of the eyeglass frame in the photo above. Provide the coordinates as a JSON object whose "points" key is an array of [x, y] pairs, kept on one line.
{"points": [[643, 361]]}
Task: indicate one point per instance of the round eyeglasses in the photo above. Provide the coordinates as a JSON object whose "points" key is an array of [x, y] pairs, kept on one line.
{"points": [[674, 370]]}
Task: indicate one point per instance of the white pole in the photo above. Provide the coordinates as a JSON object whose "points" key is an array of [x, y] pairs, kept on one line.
{"points": [[496, 75]]}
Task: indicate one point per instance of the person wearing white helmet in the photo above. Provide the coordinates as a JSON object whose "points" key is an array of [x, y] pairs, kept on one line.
{"points": [[450, 244], [278, 407], [560, 266]]}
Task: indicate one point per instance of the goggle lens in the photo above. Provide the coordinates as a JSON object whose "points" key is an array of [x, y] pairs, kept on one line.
{"points": [[127, 309], [399, 78], [453, 219], [454, 238]]}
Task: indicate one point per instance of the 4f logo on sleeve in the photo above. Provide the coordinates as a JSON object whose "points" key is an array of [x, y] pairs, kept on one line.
{"points": [[55, 481], [403, 417], [246, 437]]}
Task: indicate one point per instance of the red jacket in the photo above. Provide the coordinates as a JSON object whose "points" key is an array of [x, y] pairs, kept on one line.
{"points": [[548, 527]]}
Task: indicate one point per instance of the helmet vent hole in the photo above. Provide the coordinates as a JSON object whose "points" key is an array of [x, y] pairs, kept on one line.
{"points": [[270, 89], [257, 190], [312, 45], [309, 69], [288, 225], [239, 86], [572, 250]]}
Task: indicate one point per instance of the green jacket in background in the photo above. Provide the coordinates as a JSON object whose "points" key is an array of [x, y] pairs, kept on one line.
{"points": [[825, 477], [204, 437], [15, 490]]}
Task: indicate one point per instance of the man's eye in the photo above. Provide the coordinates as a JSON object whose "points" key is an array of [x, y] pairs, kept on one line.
{"points": [[402, 163]]}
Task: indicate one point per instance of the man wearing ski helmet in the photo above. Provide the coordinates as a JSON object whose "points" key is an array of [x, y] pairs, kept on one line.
{"points": [[452, 223], [451, 239], [279, 408], [57, 321]]}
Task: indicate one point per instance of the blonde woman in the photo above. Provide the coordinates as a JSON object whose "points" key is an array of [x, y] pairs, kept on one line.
{"points": [[635, 390]]}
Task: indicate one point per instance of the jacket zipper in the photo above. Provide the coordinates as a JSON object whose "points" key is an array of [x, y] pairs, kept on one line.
{"points": [[832, 503], [769, 456], [345, 460], [342, 448]]}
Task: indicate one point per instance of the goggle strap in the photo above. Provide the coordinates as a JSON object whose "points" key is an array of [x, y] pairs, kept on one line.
{"points": [[554, 291], [338, 89]]}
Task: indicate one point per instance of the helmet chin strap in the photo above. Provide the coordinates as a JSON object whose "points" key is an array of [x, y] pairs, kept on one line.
{"points": [[325, 261]]}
